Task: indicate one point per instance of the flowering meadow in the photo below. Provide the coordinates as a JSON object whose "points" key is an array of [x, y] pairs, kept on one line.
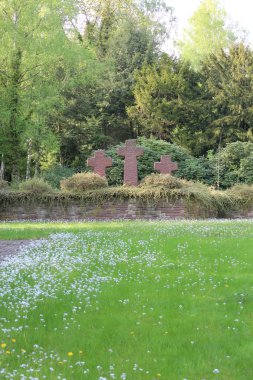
{"points": [[128, 301]]}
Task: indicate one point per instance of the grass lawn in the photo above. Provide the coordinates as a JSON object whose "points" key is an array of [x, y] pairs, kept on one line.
{"points": [[128, 301]]}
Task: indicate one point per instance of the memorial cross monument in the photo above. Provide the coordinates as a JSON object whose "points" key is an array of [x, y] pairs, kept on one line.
{"points": [[165, 166], [130, 152], [99, 162]]}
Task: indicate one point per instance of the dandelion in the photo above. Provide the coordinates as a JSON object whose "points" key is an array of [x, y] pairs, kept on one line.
{"points": [[13, 340], [3, 345], [8, 352], [70, 354]]}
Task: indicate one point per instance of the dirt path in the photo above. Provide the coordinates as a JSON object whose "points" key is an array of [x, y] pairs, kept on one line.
{"points": [[10, 247]]}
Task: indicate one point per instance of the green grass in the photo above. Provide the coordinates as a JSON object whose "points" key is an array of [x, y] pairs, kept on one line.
{"points": [[129, 300]]}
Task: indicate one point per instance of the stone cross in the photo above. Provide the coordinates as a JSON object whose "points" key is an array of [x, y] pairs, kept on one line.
{"points": [[130, 152], [99, 162], [165, 166]]}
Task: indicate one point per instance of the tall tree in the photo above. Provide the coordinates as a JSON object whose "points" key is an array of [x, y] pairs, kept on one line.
{"points": [[206, 34], [227, 80], [97, 109], [35, 57], [167, 101]]}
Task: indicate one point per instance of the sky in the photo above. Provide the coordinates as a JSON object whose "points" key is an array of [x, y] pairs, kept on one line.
{"points": [[240, 11]]}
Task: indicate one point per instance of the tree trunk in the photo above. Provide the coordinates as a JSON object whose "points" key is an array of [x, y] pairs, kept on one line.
{"points": [[29, 159], [2, 168], [14, 131]]}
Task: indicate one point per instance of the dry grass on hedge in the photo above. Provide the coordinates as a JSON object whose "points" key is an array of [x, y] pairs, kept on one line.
{"points": [[91, 188], [242, 193], [84, 182], [162, 180], [36, 186]]}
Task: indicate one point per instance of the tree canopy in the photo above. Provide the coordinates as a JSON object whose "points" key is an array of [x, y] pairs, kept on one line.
{"points": [[206, 34], [76, 76]]}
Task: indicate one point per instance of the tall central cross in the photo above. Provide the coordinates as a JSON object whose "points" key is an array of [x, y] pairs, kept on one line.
{"points": [[99, 162], [130, 152], [165, 166]]}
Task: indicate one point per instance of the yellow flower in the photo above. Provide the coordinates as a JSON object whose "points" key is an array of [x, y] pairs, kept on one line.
{"points": [[23, 351], [8, 352], [13, 340], [70, 353], [3, 345]]}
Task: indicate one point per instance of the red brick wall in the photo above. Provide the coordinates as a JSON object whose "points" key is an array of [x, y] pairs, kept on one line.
{"points": [[130, 209]]}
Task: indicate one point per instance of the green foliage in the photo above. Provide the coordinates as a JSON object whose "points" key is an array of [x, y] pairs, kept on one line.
{"points": [[36, 186], [234, 163], [206, 33], [3, 184], [38, 62], [80, 182], [169, 103], [227, 82], [55, 174], [190, 168]]}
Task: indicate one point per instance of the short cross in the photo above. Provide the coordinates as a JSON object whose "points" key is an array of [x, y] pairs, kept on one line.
{"points": [[99, 162], [130, 152], [165, 166]]}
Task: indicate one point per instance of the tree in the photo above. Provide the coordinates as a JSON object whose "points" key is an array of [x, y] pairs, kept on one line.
{"points": [[168, 101], [96, 115], [227, 81], [36, 62], [103, 17], [206, 33]]}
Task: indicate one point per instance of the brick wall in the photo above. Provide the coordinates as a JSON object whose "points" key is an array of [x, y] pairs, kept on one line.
{"points": [[130, 209]]}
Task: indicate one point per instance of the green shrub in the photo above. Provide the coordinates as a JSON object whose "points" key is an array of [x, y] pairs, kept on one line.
{"points": [[54, 175], [242, 192], [36, 185], [162, 180], [3, 184], [83, 182], [190, 168], [234, 162]]}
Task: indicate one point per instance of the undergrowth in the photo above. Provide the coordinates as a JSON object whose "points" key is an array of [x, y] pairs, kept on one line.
{"points": [[193, 194]]}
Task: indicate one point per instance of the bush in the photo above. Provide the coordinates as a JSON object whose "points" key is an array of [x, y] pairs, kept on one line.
{"points": [[235, 164], [83, 182], [243, 192], [162, 180], [3, 184], [190, 168], [36, 185], [54, 175]]}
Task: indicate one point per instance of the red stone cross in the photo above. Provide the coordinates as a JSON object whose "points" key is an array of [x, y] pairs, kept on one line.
{"points": [[166, 166], [99, 162], [130, 152]]}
